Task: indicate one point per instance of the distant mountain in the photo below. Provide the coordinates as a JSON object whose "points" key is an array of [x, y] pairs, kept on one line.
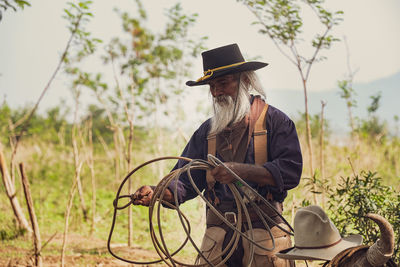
{"points": [[292, 102]]}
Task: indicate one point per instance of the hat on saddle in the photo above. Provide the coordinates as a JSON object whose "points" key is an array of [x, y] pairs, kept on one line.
{"points": [[316, 237], [222, 61]]}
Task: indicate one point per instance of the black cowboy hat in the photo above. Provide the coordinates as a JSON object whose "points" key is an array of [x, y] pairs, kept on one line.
{"points": [[222, 61]]}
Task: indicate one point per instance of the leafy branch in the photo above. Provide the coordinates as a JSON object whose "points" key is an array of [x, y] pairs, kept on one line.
{"points": [[280, 20]]}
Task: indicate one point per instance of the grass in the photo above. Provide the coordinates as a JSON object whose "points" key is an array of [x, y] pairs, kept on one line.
{"points": [[50, 171]]}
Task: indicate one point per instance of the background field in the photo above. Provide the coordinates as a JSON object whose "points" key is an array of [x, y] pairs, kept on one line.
{"points": [[124, 103]]}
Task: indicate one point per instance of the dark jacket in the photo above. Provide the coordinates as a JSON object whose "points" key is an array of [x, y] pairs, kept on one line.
{"points": [[284, 159]]}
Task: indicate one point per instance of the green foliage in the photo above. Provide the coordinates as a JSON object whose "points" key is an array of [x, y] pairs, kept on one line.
{"points": [[153, 61], [5, 114], [316, 185], [373, 107], [12, 4], [11, 233], [47, 125], [373, 127], [78, 15], [362, 194], [315, 125], [347, 92], [280, 20]]}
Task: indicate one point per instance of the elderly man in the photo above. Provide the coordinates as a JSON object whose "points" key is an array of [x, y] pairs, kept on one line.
{"points": [[271, 167]]}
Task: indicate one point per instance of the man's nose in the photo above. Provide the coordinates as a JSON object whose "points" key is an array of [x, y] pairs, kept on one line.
{"points": [[216, 91], [219, 92]]}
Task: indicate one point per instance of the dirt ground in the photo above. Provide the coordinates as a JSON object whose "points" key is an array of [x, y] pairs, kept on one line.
{"points": [[84, 251], [81, 251]]}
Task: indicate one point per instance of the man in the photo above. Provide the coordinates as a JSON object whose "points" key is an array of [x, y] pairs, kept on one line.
{"points": [[271, 168]]}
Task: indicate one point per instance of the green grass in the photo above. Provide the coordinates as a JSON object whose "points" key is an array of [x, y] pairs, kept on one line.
{"points": [[50, 170]]}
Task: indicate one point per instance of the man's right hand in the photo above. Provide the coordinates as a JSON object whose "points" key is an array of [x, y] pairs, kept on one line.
{"points": [[143, 195]]}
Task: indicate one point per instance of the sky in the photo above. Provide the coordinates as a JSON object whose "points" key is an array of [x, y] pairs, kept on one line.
{"points": [[32, 40]]}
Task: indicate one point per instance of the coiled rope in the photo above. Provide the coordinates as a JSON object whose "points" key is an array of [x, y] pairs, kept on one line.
{"points": [[157, 201]]}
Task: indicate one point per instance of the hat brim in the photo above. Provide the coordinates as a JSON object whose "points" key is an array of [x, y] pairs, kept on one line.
{"points": [[326, 254], [248, 66]]}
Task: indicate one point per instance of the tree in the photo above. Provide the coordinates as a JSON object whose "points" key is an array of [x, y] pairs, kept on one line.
{"points": [[145, 67], [346, 89], [359, 195], [373, 127], [280, 21], [14, 5]]}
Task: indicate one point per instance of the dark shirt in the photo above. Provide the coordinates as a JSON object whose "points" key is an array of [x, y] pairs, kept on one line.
{"points": [[284, 160]]}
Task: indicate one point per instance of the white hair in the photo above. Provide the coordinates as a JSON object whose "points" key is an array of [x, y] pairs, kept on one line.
{"points": [[252, 82], [228, 111]]}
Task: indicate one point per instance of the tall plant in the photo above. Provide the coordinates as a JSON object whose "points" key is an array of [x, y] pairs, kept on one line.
{"points": [[145, 66], [77, 15], [373, 127], [281, 21], [359, 195]]}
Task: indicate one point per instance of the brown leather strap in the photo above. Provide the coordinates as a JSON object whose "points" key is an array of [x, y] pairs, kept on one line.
{"points": [[213, 219], [212, 147], [260, 138], [319, 247]]}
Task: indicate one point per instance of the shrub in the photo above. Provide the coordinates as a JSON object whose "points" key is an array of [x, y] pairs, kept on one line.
{"points": [[361, 194]]}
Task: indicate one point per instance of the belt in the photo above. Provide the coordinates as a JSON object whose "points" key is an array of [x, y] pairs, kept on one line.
{"points": [[228, 210]]}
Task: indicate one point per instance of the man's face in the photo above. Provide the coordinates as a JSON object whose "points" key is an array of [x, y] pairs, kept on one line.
{"points": [[230, 102], [224, 86]]}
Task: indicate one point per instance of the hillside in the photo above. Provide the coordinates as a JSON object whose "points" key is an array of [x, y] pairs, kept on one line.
{"points": [[336, 111]]}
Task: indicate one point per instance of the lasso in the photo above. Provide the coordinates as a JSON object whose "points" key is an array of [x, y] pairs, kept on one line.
{"points": [[157, 201]]}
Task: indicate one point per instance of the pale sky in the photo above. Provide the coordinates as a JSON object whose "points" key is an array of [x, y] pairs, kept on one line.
{"points": [[32, 40]]}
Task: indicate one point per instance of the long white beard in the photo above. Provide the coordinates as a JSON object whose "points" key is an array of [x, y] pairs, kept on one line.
{"points": [[225, 113]]}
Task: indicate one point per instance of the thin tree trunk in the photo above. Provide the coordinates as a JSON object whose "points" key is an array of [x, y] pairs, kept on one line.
{"points": [[116, 155], [308, 131], [129, 161], [36, 233], [92, 175], [60, 135], [321, 151], [11, 194], [13, 141], [105, 146], [293, 208], [68, 212], [130, 118], [309, 141], [79, 182], [128, 153], [115, 130], [77, 160]]}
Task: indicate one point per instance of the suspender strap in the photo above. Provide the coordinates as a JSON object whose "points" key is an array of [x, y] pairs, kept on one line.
{"points": [[212, 148], [260, 138]]}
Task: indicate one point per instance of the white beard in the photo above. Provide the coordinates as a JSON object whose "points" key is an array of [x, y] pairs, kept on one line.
{"points": [[225, 113]]}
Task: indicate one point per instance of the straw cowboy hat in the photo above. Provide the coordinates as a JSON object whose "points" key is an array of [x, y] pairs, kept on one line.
{"points": [[316, 237], [222, 61]]}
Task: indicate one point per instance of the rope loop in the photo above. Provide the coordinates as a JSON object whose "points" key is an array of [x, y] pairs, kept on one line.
{"points": [[157, 203]]}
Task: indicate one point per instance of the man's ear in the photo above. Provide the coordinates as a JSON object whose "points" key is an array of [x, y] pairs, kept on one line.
{"points": [[246, 79]]}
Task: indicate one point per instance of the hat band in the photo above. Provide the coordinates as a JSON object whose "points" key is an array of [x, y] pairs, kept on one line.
{"points": [[327, 246], [208, 73]]}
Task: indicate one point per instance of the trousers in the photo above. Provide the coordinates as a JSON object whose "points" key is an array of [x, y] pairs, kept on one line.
{"points": [[218, 237]]}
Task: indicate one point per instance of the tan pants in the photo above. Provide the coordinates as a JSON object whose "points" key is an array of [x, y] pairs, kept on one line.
{"points": [[211, 247]]}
